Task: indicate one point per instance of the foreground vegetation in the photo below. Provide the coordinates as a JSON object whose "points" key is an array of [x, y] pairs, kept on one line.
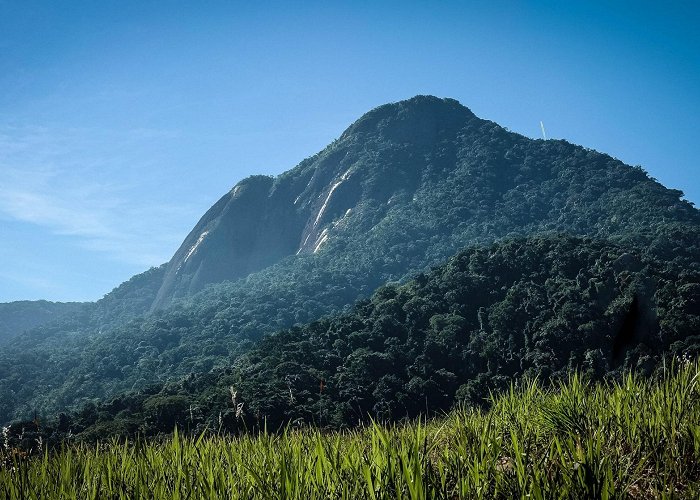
{"points": [[635, 438]]}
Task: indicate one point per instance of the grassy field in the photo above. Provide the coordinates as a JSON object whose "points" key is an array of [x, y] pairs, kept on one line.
{"points": [[634, 439]]}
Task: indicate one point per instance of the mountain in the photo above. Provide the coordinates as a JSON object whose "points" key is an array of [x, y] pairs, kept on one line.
{"points": [[425, 168], [403, 188], [17, 317]]}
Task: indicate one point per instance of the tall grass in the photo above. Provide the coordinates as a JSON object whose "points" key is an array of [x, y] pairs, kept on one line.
{"points": [[633, 439]]}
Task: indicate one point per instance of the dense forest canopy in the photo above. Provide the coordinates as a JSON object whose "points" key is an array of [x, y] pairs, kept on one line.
{"points": [[526, 307]]}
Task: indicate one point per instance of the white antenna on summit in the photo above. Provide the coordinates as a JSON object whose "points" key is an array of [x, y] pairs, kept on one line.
{"points": [[544, 134]]}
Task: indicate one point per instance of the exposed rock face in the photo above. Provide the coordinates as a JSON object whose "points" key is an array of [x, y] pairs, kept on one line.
{"points": [[249, 228], [264, 219]]}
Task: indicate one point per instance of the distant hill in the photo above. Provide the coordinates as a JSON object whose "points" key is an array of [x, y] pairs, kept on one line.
{"points": [[17, 317], [403, 188]]}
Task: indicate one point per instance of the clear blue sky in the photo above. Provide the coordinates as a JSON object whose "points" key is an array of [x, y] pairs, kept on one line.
{"points": [[122, 122]]}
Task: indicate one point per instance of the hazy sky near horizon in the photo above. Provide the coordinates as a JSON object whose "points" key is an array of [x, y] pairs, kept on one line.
{"points": [[121, 123]]}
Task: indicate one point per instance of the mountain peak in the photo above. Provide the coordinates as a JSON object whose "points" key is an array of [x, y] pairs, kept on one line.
{"points": [[426, 102], [411, 119]]}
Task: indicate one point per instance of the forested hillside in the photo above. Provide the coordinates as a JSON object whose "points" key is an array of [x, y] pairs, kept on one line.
{"points": [[524, 308], [402, 189]]}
